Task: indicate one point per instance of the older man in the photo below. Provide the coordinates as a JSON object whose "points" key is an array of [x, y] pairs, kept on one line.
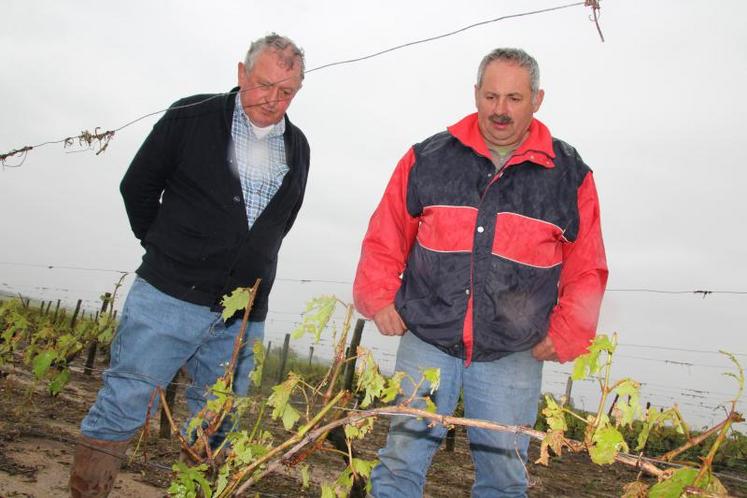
{"points": [[493, 226], [210, 195]]}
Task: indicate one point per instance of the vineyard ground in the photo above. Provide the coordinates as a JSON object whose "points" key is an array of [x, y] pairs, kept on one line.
{"points": [[37, 434]]}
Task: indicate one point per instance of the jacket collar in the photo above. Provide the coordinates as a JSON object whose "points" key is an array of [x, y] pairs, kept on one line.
{"points": [[536, 148]]}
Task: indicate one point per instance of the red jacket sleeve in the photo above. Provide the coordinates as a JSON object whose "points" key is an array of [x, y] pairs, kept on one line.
{"points": [[573, 322], [386, 246]]}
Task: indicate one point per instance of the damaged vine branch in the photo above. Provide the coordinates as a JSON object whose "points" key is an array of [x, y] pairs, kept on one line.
{"points": [[251, 455]]}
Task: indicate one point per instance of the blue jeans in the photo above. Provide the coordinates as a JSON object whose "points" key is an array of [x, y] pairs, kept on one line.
{"points": [[157, 335], [505, 391]]}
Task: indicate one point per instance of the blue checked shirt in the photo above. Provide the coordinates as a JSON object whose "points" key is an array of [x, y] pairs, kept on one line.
{"points": [[261, 162]]}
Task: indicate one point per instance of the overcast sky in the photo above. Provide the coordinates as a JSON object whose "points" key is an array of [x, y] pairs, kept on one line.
{"points": [[656, 110]]}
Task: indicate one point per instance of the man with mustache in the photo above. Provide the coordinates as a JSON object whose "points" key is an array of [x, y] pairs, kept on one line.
{"points": [[211, 193], [485, 255]]}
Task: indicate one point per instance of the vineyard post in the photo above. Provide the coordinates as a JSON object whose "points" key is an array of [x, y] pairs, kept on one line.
{"points": [[41, 308], [49, 305], [75, 313], [450, 440], [283, 357], [91, 357], [56, 311], [311, 354], [352, 354], [568, 388]]}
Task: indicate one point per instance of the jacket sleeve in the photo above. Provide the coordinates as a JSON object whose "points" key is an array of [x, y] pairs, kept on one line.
{"points": [[146, 178], [386, 246], [573, 321]]}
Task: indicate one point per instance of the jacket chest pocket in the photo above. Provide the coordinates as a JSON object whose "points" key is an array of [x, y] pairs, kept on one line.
{"points": [[528, 241]]}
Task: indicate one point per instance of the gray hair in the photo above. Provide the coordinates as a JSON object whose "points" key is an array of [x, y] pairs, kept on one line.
{"points": [[278, 44], [517, 56]]}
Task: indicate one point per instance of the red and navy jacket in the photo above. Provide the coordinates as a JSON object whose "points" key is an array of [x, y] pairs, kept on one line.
{"points": [[483, 263]]}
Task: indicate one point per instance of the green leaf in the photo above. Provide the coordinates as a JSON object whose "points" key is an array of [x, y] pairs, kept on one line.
{"points": [[328, 491], [243, 451], [316, 316], [654, 419], [290, 417], [42, 362], [675, 485], [305, 476], [433, 376], [392, 388], [588, 364], [370, 379], [628, 406], [279, 401], [222, 480], [607, 442], [186, 479], [67, 343], [236, 301], [58, 382], [554, 415], [430, 406], [106, 334], [259, 363], [363, 467], [351, 431]]}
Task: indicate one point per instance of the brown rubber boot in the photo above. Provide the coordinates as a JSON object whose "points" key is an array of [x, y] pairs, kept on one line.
{"points": [[95, 467]]}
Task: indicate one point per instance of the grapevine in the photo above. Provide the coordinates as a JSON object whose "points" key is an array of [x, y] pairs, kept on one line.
{"points": [[250, 456]]}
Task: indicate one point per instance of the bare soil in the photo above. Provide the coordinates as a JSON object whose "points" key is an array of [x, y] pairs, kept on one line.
{"points": [[38, 432]]}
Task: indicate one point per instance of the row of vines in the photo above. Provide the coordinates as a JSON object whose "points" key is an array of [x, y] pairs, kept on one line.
{"points": [[321, 412]]}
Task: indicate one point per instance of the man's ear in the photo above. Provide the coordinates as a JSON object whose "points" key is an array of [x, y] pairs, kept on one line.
{"points": [[538, 98]]}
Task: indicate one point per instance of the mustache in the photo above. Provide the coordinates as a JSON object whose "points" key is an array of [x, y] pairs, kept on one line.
{"points": [[502, 119]]}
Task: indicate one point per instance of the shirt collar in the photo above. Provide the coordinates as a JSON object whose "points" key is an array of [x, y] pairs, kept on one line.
{"points": [[536, 148], [277, 130]]}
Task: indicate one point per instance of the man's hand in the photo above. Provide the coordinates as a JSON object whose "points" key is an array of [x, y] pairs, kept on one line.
{"points": [[389, 322], [545, 350]]}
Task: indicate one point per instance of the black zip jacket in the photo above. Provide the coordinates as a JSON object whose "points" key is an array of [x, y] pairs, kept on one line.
{"points": [[184, 201]]}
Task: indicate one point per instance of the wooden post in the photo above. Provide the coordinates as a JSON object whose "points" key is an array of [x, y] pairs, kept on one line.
{"points": [[41, 307], [56, 311], [311, 354], [568, 388], [49, 305], [352, 354], [75, 313], [164, 431], [91, 357], [283, 357], [264, 364], [451, 440]]}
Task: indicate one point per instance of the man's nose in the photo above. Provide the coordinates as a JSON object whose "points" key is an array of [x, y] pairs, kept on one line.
{"points": [[273, 95], [501, 106]]}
